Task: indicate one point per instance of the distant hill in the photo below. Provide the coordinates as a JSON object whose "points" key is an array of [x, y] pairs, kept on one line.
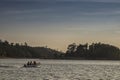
{"points": [[15, 50], [94, 51]]}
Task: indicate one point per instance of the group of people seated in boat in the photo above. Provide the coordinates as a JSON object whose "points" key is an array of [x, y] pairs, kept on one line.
{"points": [[30, 63]]}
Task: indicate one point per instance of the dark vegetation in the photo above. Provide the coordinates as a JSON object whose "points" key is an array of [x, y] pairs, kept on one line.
{"points": [[15, 50], [95, 51]]}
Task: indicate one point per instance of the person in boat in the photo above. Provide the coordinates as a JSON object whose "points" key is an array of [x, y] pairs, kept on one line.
{"points": [[34, 63], [25, 65], [31, 63], [28, 63]]}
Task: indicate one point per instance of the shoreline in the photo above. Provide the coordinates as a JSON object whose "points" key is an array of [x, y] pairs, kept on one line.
{"points": [[65, 59]]}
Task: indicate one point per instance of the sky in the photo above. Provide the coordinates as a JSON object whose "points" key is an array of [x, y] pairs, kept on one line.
{"points": [[58, 23]]}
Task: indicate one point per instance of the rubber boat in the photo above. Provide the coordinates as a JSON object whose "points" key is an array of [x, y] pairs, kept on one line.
{"points": [[32, 65]]}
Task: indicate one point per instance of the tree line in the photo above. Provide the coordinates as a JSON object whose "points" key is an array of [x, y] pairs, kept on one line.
{"points": [[16, 50], [93, 51]]}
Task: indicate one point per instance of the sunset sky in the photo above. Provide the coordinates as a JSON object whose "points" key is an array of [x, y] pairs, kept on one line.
{"points": [[58, 23]]}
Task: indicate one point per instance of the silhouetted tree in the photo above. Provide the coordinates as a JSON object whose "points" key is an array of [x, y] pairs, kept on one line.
{"points": [[71, 50], [26, 44], [24, 51], [93, 51], [81, 50]]}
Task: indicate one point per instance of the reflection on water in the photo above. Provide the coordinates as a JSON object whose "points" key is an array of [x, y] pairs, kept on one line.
{"points": [[11, 69]]}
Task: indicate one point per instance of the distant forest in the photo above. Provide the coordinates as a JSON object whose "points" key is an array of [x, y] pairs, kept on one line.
{"points": [[16, 50], [94, 51]]}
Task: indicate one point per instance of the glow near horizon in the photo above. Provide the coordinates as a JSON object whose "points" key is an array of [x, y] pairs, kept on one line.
{"points": [[58, 23]]}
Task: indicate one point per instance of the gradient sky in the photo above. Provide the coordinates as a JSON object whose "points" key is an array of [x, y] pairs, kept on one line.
{"points": [[58, 23]]}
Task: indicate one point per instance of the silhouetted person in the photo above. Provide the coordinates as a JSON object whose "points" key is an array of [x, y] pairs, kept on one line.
{"points": [[28, 63], [25, 65], [34, 63]]}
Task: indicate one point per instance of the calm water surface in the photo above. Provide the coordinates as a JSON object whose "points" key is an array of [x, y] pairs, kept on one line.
{"points": [[11, 69]]}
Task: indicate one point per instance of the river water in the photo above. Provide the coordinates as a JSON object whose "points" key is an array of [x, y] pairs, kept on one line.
{"points": [[11, 69]]}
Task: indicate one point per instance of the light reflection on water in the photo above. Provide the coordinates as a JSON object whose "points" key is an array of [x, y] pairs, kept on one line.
{"points": [[60, 70]]}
